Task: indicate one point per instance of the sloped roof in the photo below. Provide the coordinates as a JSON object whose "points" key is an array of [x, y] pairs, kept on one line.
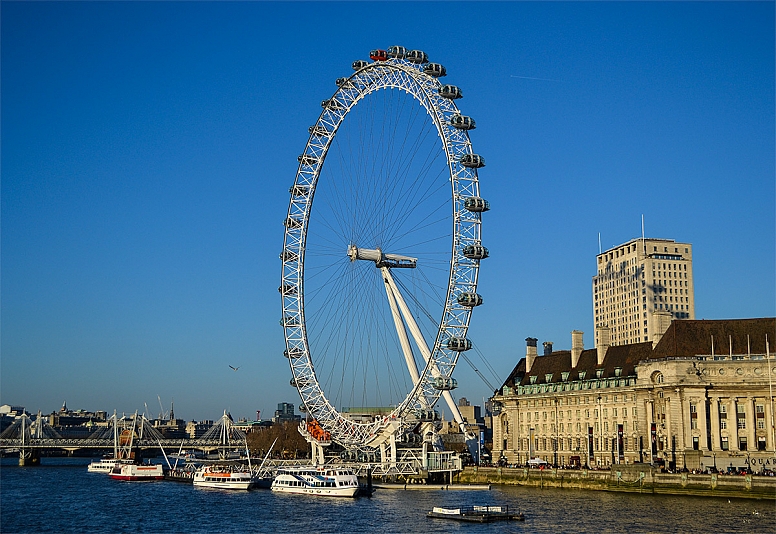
{"points": [[692, 338], [684, 338]]}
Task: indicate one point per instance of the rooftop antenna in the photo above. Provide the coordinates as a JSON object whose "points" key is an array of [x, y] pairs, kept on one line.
{"points": [[599, 243], [643, 243]]}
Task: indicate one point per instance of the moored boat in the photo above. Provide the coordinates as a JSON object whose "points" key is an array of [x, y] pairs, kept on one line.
{"points": [[319, 481], [222, 477], [137, 472], [104, 465], [477, 514]]}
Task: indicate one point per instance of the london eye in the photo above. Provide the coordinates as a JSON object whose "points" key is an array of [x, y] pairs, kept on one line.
{"points": [[379, 274]]}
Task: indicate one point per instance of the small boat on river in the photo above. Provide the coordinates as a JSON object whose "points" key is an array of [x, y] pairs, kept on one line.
{"points": [[222, 477], [477, 514], [318, 481], [104, 465], [137, 472]]}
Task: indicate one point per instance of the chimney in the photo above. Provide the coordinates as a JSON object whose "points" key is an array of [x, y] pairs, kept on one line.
{"points": [[661, 320], [603, 342], [530, 353], [576, 347], [547, 348]]}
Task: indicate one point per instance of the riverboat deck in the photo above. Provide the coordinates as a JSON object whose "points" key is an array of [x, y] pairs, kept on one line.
{"points": [[477, 514]]}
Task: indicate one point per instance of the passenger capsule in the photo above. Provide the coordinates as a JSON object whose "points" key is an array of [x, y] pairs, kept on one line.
{"points": [[475, 252], [299, 190], [359, 64], [470, 300], [307, 159], [288, 255], [341, 81], [332, 103], [459, 344], [318, 130], [292, 222], [289, 321], [397, 52], [445, 383], [302, 408], [416, 56], [287, 289], [462, 122], [293, 353], [435, 69], [378, 55], [426, 415], [476, 204], [472, 161], [450, 91]]}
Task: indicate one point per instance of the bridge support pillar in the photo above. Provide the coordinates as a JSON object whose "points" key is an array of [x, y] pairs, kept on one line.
{"points": [[29, 457]]}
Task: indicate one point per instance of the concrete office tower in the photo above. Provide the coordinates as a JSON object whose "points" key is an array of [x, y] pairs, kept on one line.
{"points": [[640, 287]]}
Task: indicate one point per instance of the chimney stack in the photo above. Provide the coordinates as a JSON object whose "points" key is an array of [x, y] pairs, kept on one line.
{"points": [[603, 339], [547, 348], [576, 347], [530, 353]]}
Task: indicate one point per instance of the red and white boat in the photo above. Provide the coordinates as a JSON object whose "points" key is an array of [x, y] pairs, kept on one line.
{"points": [[137, 472]]}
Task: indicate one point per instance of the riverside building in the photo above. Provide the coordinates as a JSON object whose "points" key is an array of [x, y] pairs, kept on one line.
{"points": [[640, 287], [701, 397]]}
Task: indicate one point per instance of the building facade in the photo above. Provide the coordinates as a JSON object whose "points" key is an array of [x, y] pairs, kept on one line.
{"points": [[702, 397], [640, 287]]}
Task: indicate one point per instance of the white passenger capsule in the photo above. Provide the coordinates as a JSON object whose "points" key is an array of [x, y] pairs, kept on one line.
{"points": [[289, 321], [435, 69], [287, 289], [475, 252], [416, 56], [476, 204], [397, 52], [450, 91], [293, 353], [462, 122], [469, 300], [459, 344], [359, 64], [445, 383], [472, 161]]}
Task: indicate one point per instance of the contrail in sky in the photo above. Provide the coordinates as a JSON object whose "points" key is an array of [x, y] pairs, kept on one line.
{"points": [[532, 78]]}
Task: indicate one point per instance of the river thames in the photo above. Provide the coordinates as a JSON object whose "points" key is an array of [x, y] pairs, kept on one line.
{"points": [[61, 496]]}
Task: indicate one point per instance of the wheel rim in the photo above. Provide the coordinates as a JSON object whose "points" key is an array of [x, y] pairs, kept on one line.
{"points": [[307, 311]]}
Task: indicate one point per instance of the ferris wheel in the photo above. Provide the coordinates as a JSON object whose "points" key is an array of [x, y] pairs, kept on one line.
{"points": [[379, 278]]}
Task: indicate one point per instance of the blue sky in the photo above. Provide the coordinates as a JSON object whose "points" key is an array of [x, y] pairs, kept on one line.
{"points": [[147, 151]]}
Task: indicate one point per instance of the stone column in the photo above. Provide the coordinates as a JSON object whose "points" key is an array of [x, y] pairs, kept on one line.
{"points": [[667, 434], [714, 419], [704, 430], [751, 425]]}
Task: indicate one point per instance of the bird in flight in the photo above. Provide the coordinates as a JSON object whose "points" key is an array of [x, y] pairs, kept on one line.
{"points": [[234, 368]]}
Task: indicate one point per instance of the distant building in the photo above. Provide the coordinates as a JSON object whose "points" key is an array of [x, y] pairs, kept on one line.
{"points": [[196, 429], [639, 288], [700, 398], [285, 412]]}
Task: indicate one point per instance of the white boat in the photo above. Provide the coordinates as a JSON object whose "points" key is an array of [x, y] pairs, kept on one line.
{"points": [[222, 477], [319, 481], [137, 472], [104, 465]]}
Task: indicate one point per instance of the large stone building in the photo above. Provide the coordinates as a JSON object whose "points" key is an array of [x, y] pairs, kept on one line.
{"points": [[700, 397], [640, 287]]}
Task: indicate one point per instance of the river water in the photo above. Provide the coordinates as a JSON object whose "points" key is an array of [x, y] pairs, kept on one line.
{"points": [[61, 496]]}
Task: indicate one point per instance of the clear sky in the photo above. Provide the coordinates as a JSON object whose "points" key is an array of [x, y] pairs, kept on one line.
{"points": [[148, 148]]}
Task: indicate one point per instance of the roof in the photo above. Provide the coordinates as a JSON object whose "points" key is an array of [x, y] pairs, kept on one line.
{"points": [[730, 336], [684, 338]]}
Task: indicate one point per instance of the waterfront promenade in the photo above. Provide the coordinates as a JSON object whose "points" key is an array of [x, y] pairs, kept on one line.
{"points": [[632, 478]]}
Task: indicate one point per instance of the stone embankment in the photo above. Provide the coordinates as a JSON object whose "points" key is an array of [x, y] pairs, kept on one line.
{"points": [[633, 478]]}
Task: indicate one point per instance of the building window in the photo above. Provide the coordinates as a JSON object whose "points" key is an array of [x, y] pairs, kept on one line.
{"points": [[724, 444], [742, 444]]}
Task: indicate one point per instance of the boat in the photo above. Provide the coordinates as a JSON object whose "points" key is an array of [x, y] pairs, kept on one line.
{"points": [[319, 481], [222, 477], [477, 514], [137, 472], [104, 465]]}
